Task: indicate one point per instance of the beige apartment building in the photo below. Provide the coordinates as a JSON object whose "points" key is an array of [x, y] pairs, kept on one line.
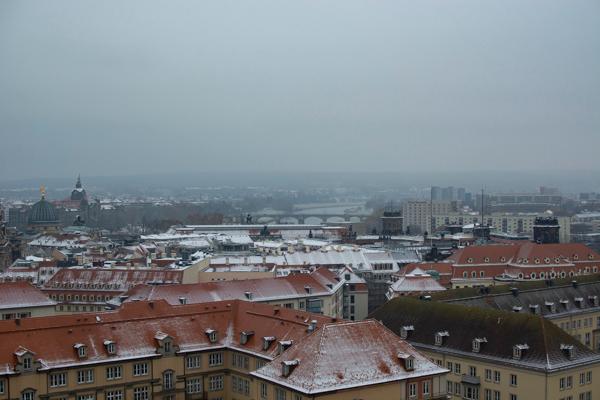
{"points": [[496, 355], [218, 351], [416, 214], [23, 300], [512, 223]]}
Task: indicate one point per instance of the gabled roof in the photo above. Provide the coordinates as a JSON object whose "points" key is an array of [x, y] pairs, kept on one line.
{"points": [[503, 330], [52, 339], [22, 295], [345, 355], [415, 282], [259, 289]]}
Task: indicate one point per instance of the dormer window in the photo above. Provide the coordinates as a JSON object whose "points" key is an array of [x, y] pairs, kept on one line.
{"points": [[407, 360], [439, 337], [248, 295], [27, 363], [212, 335], [469, 260], [81, 350], [284, 345], [569, 350], [111, 347], [593, 300], [477, 344], [486, 259], [308, 289], [517, 308], [267, 340], [519, 350], [551, 306], [167, 346], [534, 308], [165, 343], [288, 366], [565, 304], [578, 301], [405, 331], [245, 336]]}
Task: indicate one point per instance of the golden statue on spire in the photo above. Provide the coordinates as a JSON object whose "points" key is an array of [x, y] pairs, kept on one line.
{"points": [[43, 191]]}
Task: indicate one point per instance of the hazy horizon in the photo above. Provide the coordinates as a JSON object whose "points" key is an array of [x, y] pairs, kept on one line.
{"points": [[154, 87]]}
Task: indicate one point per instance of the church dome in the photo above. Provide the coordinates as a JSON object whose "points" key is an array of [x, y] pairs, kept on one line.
{"points": [[43, 213]]}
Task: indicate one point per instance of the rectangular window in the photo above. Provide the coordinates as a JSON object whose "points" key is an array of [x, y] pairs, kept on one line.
{"points": [[215, 359], [140, 393], [140, 369], [27, 395], [449, 387], [85, 376], [513, 397], [114, 395], [240, 385], [582, 378], [215, 383], [263, 391], [457, 388], [240, 361], [86, 396], [412, 390], [2, 383], [58, 379], [193, 385], [473, 371], [260, 363], [113, 372], [497, 395], [456, 368], [194, 362], [513, 380], [168, 380], [588, 377], [488, 376], [280, 394], [488, 394], [561, 384], [426, 388]]}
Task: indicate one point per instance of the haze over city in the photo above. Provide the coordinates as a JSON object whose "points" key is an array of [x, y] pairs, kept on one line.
{"points": [[146, 87]]}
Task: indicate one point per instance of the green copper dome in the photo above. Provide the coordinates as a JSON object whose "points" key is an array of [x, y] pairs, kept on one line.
{"points": [[43, 213]]}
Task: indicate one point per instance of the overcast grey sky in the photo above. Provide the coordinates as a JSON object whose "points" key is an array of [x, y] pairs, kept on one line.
{"points": [[128, 87]]}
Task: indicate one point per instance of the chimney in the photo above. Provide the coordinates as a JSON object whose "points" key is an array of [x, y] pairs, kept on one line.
{"points": [[312, 326]]}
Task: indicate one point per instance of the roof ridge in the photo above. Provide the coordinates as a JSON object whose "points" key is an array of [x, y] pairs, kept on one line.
{"points": [[546, 353]]}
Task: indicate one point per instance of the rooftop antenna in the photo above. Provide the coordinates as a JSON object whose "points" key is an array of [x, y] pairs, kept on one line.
{"points": [[482, 207]]}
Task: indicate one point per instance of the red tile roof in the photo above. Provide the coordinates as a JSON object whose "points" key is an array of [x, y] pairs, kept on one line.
{"points": [[260, 289], [52, 339], [21, 295], [106, 278]]}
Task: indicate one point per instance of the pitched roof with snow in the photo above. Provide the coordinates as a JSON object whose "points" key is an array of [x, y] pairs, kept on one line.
{"points": [[53, 339], [117, 278], [295, 285], [22, 295], [346, 355]]}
